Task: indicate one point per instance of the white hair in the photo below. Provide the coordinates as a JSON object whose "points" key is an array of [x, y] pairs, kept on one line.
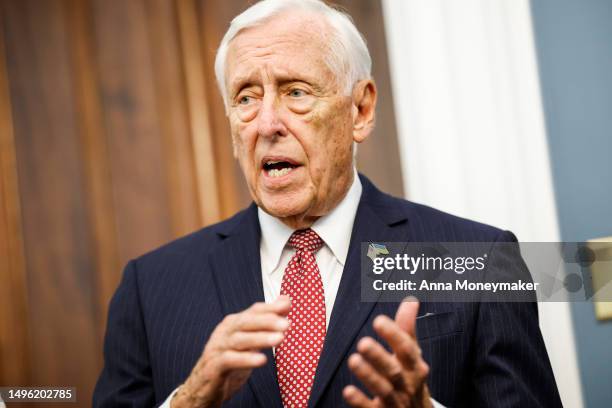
{"points": [[348, 56]]}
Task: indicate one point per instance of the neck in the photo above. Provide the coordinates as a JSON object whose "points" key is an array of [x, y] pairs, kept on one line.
{"points": [[298, 222], [305, 220]]}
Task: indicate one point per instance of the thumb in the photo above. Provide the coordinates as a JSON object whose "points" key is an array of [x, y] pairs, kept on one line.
{"points": [[406, 314]]}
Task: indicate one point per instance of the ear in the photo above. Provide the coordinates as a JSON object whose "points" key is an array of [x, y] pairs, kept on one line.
{"points": [[364, 109]]}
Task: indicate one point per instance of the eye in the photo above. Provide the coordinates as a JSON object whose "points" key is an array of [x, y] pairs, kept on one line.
{"points": [[245, 100], [297, 93]]}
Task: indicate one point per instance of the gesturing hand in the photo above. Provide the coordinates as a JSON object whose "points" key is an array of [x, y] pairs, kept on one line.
{"points": [[232, 352], [395, 380]]}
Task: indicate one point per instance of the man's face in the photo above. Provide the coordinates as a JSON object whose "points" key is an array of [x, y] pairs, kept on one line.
{"points": [[292, 124]]}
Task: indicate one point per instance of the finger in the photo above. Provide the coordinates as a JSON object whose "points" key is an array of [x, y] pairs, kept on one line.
{"points": [[356, 398], [404, 346], [372, 379], [382, 361], [280, 306], [406, 314], [243, 341], [254, 321], [239, 360]]}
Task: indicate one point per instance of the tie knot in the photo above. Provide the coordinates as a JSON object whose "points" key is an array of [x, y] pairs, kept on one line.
{"points": [[306, 239]]}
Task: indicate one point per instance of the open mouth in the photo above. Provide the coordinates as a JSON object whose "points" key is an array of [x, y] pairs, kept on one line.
{"points": [[278, 168]]}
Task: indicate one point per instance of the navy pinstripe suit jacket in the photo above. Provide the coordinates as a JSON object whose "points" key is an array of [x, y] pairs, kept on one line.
{"points": [[170, 300]]}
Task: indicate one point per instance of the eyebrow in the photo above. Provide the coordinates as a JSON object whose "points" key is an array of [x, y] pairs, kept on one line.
{"points": [[254, 77], [243, 81]]}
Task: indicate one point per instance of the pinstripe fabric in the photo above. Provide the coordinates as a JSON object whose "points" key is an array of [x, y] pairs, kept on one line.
{"points": [[170, 300]]}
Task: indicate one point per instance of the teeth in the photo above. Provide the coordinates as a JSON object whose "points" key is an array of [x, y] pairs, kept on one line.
{"points": [[272, 162], [279, 173]]}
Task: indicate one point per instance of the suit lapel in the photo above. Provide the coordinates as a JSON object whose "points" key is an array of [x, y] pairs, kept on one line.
{"points": [[372, 224], [236, 267]]}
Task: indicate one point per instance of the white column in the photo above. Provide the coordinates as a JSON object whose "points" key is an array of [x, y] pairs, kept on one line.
{"points": [[471, 130]]}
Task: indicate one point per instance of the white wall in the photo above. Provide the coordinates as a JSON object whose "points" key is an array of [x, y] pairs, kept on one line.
{"points": [[472, 135]]}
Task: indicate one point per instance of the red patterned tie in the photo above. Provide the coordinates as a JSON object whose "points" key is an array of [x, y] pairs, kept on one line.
{"points": [[298, 355]]}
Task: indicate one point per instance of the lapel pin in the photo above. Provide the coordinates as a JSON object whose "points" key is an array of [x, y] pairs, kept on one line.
{"points": [[376, 249]]}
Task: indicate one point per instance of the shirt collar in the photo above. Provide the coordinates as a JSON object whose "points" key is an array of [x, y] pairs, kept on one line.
{"points": [[334, 229]]}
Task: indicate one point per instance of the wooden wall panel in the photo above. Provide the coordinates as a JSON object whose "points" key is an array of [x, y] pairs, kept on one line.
{"points": [[127, 87], [95, 159], [173, 115], [64, 342], [14, 345], [199, 118]]}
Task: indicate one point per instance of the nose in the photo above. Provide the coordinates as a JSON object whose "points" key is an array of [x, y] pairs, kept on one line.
{"points": [[269, 121]]}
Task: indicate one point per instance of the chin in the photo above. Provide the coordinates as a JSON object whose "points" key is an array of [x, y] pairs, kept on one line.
{"points": [[286, 204]]}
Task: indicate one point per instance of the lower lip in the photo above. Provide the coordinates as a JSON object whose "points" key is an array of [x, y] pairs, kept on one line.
{"points": [[279, 181]]}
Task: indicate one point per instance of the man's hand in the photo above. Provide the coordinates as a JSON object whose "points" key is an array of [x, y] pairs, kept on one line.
{"points": [[398, 379], [232, 352]]}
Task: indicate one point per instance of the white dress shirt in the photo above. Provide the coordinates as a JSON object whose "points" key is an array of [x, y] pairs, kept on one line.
{"points": [[334, 229]]}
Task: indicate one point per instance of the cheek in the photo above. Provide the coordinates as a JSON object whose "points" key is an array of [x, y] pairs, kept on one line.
{"points": [[243, 140], [329, 153], [333, 130]]}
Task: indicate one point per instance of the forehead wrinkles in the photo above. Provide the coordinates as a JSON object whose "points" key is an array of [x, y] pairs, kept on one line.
{"points": [[262, 48], [294, 38]]}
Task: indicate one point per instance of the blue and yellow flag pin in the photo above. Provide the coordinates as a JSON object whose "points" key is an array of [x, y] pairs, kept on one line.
{"points": [[376, 249]]}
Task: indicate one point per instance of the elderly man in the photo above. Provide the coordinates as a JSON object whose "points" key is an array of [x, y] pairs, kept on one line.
{"points": [[264, 309]]}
